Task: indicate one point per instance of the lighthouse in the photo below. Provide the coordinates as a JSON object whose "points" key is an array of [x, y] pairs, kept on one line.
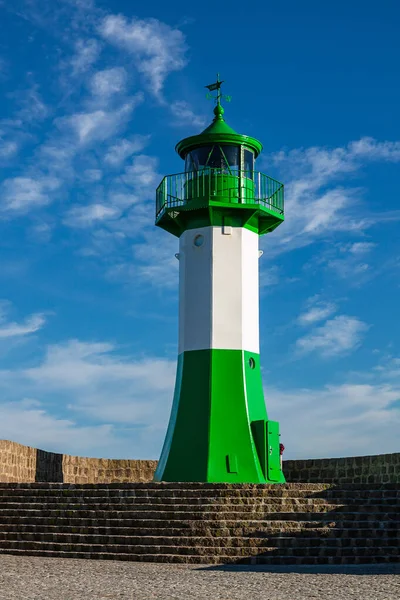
{"points": [[219, 430]]}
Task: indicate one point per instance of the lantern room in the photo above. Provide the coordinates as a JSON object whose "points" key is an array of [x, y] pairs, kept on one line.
{"points": [[220, 177]]}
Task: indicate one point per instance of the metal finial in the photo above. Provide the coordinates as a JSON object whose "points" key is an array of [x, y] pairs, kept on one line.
{"points": [[219, 96]]}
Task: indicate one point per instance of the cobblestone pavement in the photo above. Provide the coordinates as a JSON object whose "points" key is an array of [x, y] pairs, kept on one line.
{"points": [[34, 578]]}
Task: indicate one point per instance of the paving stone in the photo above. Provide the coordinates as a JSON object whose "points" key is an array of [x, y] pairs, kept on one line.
{"points": [[38, 578]]}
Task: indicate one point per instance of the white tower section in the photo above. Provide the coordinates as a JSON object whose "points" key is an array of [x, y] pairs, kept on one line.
{"points": [[219, 289]]}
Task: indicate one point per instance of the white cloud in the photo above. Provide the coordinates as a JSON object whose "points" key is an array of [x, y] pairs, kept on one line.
{"points": [[95, 363], [157, 263], [86, 54], [337, 336], [361, 247], [92, 214], [142, 174], [33, 107], [315, 205], [98, 125], [349, 269], [23, 193], [84, 377], [108, 82], [57, 155], [154, 259], [319, 311], [92, 174], [390, 369], [269, 276], [349, 419], [157, 48], [185, 115], [8, 148], [41, 232], [326, 211], [368, 147], [124, 148], [347, 261], [9, 329], [29, 422], [123, 200]]}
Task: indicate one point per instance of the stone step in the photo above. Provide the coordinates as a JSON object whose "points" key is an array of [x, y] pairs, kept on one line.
{"points": [[306, 529], [155, 503], [211, 560], [190, 486], [203, 523], [222, 512], [274, 505], [206, 551], [274, 541], [10, 501], [198, 494], [216, 520], [234, 527]]}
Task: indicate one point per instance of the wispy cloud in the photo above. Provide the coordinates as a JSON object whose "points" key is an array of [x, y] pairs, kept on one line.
{"points": [[185, 116], [317, 310], [156, 48], [87, 52], [142, 173], [99, 125], [118, 152], [20, 194], [89, 215], [10, 329], [361, 247], [316, 204], [351, 261], [348, 419], [108, 82], [84, 375], [33, 108], [336, 337], [8, 148]]}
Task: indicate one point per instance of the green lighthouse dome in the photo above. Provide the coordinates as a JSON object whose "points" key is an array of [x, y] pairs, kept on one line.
{"points": [[218, 132]]}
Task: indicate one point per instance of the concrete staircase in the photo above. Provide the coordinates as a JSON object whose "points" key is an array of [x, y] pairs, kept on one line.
{"points": [[203, 523]]}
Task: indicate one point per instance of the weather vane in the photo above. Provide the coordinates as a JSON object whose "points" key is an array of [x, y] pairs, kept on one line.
{"points": [[217, 86]]}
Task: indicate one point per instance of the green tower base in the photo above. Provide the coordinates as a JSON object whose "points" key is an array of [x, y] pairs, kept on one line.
{"points": [[219, 430]]}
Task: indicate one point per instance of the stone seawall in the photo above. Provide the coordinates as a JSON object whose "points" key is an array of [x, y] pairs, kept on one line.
{"points": [[23, 464], [381, 468]]}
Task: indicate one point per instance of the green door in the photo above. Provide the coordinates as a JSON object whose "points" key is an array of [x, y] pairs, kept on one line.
{"points": [[273, 457]]}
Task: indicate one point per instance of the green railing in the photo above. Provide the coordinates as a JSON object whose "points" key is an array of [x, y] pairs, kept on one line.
{"points": [[240, 187]]}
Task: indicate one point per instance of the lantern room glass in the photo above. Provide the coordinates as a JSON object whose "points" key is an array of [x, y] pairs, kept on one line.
{"points": [[225, 158]]}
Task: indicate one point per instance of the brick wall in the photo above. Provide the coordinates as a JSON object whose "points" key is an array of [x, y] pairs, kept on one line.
{"points": [[381, 468], [23, 464], [17, 462]]}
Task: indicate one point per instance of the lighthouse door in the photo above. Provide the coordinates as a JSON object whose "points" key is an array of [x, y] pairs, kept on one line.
{"points": [[273, 459]]}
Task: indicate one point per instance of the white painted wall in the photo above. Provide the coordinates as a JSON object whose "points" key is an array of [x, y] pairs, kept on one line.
{"points": [[218, 290]]}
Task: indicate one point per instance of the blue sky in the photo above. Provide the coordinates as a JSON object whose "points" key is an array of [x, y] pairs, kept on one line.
{"points": [[94, 97]]}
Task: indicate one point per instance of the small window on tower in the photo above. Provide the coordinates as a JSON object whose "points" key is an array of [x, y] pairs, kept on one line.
{"points": [[232, 156], [248, 163], [189, 163], [217, 159], [198, 240], [200, 157]]}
